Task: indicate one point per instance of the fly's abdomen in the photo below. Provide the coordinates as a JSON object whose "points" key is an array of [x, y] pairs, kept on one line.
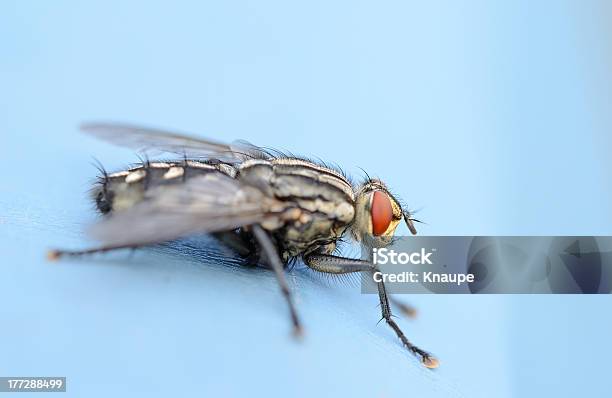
{"points": [[124, 189]]}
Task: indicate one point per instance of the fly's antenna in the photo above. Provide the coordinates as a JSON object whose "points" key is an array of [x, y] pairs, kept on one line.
{"points": [[410, 222]]}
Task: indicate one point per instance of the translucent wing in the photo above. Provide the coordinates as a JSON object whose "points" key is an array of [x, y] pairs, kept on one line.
{"points": [[210, 203], [155, 141]]}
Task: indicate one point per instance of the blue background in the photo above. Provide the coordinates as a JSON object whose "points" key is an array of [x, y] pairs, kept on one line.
{"points": [[490, 117]]}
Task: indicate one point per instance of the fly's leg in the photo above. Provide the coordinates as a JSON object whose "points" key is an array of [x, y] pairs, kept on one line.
{"points": [[235, 242], [275, 263], [240, 243], [54, 255], [334, 265], [341, 265], [426, 358]]}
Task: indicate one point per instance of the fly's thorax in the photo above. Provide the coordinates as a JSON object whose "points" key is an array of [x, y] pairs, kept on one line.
{"points": [[377, 214], [298, 183], [318, 202], [260, 172], [257, 173]]}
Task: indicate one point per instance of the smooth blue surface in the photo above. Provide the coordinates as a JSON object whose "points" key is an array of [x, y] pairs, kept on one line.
{"points": [[493, 117]]}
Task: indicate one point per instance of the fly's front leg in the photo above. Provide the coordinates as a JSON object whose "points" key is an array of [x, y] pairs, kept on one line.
{"points": [[341, 265], [426, 358], [275, 263]]}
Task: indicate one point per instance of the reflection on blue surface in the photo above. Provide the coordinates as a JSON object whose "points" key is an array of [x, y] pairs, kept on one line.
{"points": [[490, 117]]}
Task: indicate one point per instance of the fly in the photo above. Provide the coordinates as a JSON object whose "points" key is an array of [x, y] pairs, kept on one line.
{"points": [[268, 207]]}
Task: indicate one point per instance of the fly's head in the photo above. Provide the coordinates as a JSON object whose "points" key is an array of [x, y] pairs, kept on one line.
{"points": [[377, 214]]}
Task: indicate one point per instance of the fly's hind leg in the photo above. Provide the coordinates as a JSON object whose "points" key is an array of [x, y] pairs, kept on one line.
{"points": [[341, 265], [54, 255], [274, 261]]}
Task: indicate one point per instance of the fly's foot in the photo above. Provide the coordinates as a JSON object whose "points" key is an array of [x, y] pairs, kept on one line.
{"points": [[298, 332], [430, 362], [53, 255], [427, 359]]}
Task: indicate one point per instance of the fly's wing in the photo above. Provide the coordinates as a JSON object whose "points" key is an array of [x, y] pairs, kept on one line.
{"points": [[210, 203], [156, 141]]}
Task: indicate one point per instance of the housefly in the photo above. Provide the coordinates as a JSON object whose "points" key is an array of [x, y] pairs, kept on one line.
{"points": [[268, 207]]}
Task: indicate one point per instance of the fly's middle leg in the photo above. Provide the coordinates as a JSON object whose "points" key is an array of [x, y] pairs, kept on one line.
{"points": [[341, 265], [276, 264]]}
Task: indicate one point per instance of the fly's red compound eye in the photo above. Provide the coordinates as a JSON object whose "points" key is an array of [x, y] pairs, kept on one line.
{"points": [[382, 212]]}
